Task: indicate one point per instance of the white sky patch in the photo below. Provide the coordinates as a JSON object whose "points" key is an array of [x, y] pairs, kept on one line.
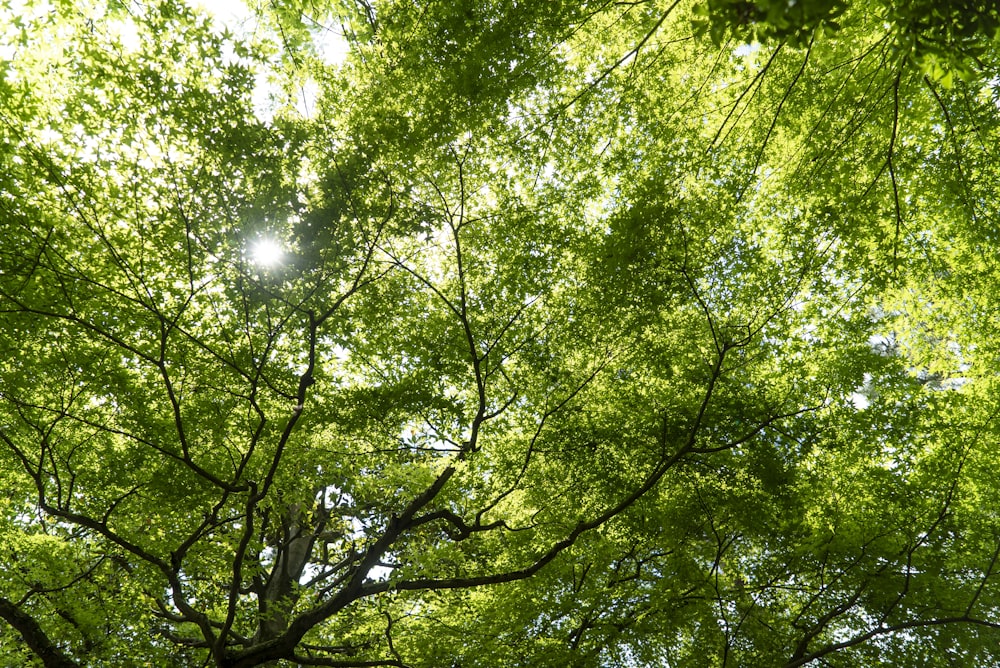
{"points": [[744, 50], [126, 33], [860, 401], [230, 14], [332, 47], [243, 22], [305, 101], [263, 96], [862, 395]]}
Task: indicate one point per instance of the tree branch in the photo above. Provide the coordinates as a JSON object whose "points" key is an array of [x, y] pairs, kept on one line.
{"points": [[34, 636]]}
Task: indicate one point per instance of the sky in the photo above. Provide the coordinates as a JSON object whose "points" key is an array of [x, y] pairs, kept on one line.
{"points": [[241, 20]]}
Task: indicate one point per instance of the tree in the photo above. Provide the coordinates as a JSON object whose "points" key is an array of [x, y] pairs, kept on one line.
{"points": [[600, 335]]}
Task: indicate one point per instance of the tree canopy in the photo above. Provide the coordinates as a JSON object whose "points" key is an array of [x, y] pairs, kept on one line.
{"points": [[499, 333]]}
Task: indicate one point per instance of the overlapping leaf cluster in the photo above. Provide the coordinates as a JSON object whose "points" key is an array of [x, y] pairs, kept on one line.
{"points": [[598, 339]]}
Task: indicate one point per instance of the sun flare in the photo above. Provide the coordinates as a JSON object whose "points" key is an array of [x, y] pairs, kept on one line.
{"points": [[266, 252]]}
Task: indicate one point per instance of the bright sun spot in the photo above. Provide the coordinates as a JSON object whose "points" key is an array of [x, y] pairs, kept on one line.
{"points": [[266, 252]]}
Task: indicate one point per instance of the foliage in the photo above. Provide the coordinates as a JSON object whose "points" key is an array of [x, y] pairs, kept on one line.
{"points": [[945, 39], [600, 337]]}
